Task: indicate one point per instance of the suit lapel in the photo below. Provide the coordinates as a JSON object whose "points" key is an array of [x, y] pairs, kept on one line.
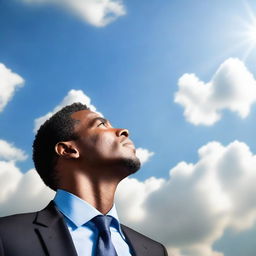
{"points": [[53, 232], [136, 244]]}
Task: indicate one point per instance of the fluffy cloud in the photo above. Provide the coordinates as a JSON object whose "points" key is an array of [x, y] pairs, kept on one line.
{"points": [[71, 97], [9, 82], [11, 153], [98, 13], [144, 155], [19, 192], [232, 87], [134, 193], [192, 209]]}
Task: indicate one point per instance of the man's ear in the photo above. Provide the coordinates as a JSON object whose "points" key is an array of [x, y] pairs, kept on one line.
{"points": [[67, 149]]}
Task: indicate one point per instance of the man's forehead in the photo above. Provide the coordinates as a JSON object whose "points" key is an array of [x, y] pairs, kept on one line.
{"points": [[84, 115]]}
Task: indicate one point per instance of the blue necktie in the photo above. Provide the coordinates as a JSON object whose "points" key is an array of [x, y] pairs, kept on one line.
{"points": [[104, 245]]}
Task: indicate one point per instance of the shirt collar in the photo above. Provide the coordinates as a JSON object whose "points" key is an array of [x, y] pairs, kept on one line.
{"points": [[79, 211]]}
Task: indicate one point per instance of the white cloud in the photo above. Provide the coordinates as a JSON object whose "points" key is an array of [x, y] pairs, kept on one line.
{"points": [[19, 192], [144, 155], [11, 153], [232, 87], [192, 209], [98, 13], [188, 212], [71, 97], [9, 174], [9, 82], [134, 193]]}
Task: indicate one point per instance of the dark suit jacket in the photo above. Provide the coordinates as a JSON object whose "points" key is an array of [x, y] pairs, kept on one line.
{"points": [[45, 233]]}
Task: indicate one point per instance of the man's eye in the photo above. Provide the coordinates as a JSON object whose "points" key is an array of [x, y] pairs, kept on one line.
{"points": [[102, 123]]}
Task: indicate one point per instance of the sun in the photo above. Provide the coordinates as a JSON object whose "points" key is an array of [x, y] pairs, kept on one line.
{"points": [[249, 32]]}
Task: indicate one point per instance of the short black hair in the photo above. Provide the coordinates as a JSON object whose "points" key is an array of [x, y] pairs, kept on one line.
{"points": [[60, 127]]}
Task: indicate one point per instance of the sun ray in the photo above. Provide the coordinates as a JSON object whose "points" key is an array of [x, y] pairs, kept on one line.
{"points": [[248, 32], [242, 39], [248, 51]]}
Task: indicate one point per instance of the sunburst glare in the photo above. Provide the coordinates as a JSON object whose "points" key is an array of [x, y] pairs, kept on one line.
{"points": [[249, 32]]}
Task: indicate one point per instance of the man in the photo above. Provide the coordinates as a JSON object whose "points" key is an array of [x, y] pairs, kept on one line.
{"points": [[81, 156]]}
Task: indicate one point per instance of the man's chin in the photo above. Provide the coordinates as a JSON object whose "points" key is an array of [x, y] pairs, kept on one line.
{"points": [[132, 165]]}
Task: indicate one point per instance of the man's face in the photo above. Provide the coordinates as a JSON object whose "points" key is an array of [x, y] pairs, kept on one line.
{"points": [[101, 145]]}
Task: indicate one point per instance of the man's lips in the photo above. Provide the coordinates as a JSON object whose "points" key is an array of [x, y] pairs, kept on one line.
{"points": [[128, 143]]}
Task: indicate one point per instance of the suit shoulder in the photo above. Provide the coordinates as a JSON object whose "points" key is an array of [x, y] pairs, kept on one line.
{"points": [[136, 236], [16, 220], [19, 216]]}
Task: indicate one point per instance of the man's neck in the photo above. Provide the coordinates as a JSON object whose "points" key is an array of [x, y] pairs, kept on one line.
{"points": [[98, 193]]}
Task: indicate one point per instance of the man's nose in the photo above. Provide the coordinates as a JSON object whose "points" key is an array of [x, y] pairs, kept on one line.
{"points": [[122, 132]]}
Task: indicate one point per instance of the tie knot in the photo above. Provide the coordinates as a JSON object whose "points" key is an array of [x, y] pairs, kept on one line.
{"points": [[102, 222]]}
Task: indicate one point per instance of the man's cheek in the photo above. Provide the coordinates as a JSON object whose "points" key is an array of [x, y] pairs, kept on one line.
{"points": [[108, 147]]}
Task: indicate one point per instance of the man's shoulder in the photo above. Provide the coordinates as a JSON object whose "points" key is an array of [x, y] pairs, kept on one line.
{"points": [[131, 232], [17, 221], [137, 239], [17, 218], [32, 234], [18, 224]]}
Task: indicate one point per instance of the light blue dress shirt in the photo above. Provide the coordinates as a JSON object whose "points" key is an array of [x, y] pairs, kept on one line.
{"points": [[77, 214]]}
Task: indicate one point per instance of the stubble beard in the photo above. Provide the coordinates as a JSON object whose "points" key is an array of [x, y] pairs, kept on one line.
{"points": [[132, 165]]}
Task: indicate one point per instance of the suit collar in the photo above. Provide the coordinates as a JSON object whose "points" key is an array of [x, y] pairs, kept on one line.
{"points": [[56, 240], [48, 216], [53, 232]]}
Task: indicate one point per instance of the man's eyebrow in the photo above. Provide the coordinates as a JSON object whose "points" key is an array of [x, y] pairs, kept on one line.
{"points": [[94, 120]]}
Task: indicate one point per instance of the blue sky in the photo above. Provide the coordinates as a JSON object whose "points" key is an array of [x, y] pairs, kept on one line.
{"points": [[132, 69]]}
